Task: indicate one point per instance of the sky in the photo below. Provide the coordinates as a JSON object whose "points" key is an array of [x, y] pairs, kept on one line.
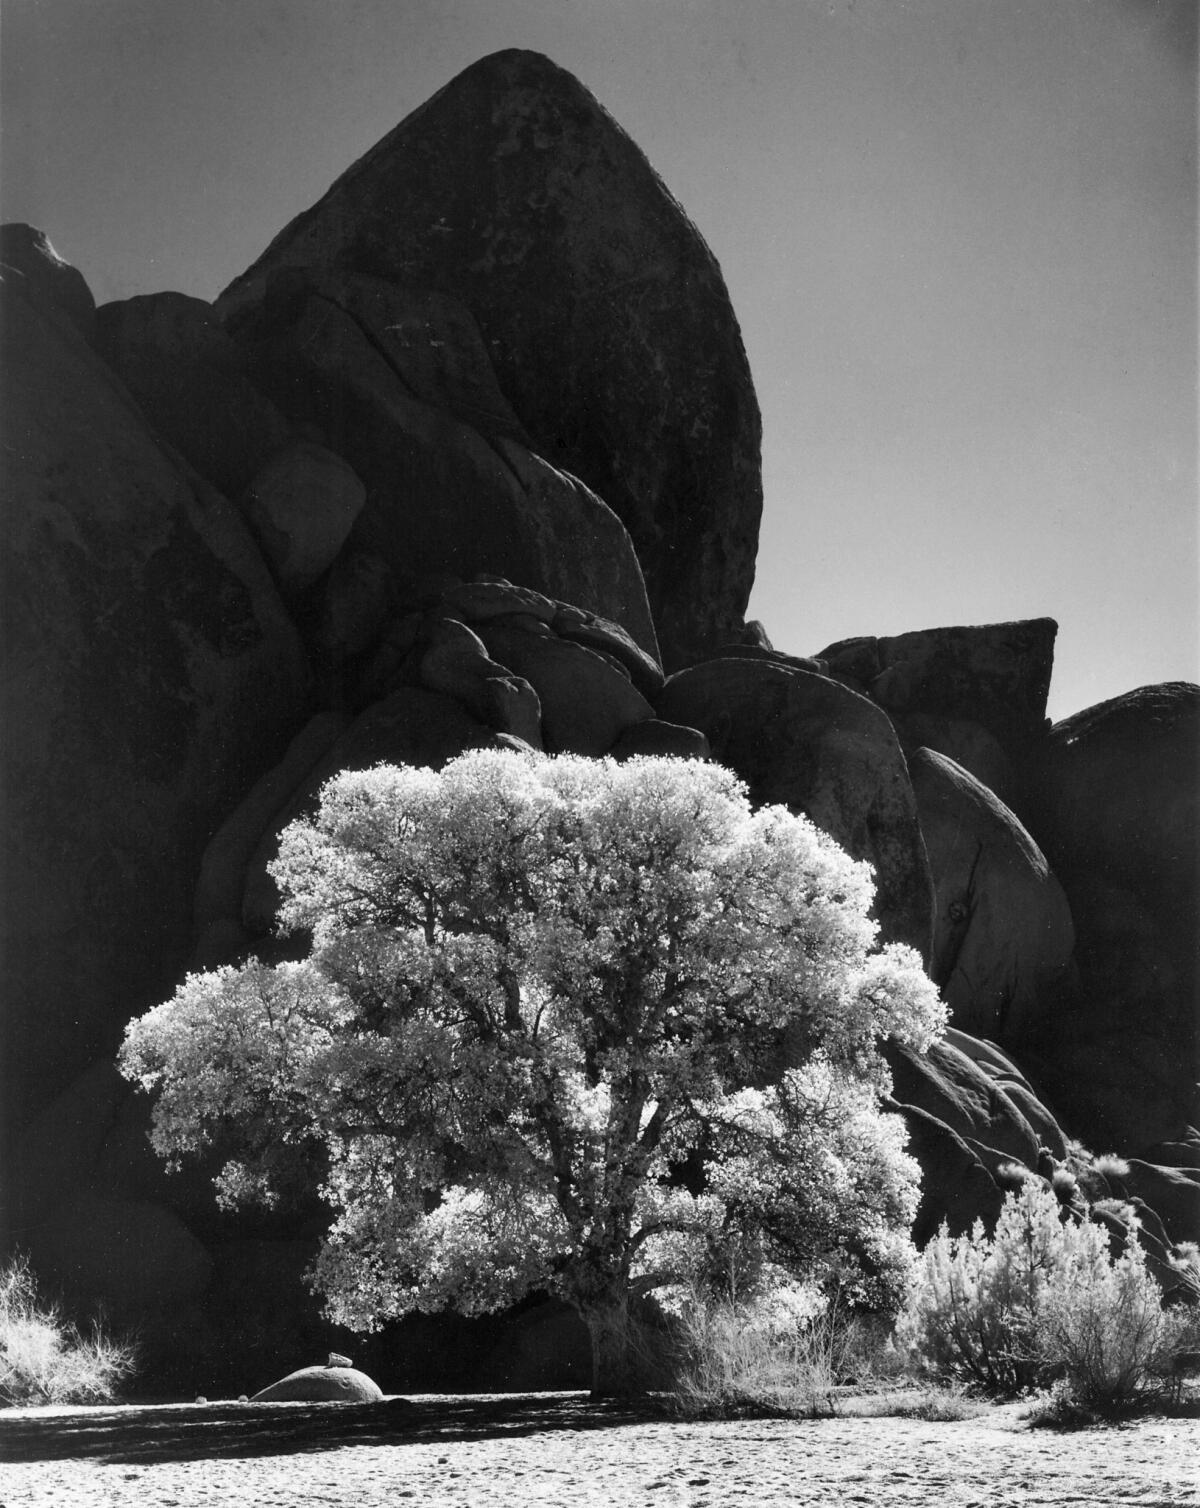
{"points": [[959, 235]]}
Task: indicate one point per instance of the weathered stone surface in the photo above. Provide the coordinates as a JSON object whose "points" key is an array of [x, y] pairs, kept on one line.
{"points": [[1172, 1193], [32, 265], [91, 1140], [409, 727], [609, 639], [127, 1254], [57, 1151], [456, 664], [492, 597], [321, 1385], [948, 1085], [856, 658], [358, 599], [301, 505], [586, 703], [770, 656], [1117, 1091], [1181, 1152], [995, 674], [441, 497], [585, 555], [1114, 801], [812, 745], [1004, 1072], [662, 740], [190, 381], [1002, 937], [955, 1185], [753, 632], [966, 743], [222, 879], [432, 342], [150, 673], [513, 190]]}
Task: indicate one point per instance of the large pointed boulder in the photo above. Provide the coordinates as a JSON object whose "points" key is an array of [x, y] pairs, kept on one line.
{"points": [[602, 309]]}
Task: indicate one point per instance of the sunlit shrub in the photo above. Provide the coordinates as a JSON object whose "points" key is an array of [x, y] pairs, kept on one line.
{"points": [[1042, 1299], [46, 1359]]}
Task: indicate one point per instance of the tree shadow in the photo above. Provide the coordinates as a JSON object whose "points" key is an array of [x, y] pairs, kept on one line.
{"points": [[153, 1433]]}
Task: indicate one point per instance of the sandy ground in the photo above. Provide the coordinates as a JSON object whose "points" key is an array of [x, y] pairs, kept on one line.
{"points": [[558, 1449]]}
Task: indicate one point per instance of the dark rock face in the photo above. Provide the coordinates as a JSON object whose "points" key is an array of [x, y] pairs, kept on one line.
{"points": [[1114, 798], [966, 743], [31, 265], [949, 1084], [587, 702], [810, 744], [442, 496], [455, 663], [409, 727], [1002, 930], [661, 740], [131, 1256], [150, 673], [301, 506], [969, 1113], [220, 887], [513, 191], [190, 381], [1172, 1193], [997, 675], [1004, 1073]]}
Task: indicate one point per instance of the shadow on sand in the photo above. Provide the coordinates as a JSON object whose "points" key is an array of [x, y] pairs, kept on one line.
{"points": [[148, 1434]]}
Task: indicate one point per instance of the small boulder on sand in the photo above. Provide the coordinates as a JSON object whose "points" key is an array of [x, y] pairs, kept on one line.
{"points": [[332, 1384]]}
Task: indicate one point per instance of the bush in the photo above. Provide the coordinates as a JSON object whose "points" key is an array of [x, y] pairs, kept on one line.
{"points": [[1104, 1326], [46, 1359], [1042, 1300], [783, 1353]]}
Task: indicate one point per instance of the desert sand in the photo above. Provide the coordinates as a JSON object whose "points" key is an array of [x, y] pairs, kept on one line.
{"points": [[561, 1450]]}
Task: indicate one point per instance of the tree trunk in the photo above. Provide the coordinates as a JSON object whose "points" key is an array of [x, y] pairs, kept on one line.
{"points": [[618, 1366]]}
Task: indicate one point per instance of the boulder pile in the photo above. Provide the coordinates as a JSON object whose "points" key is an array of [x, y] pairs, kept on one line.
{"points": [[469, 457]]}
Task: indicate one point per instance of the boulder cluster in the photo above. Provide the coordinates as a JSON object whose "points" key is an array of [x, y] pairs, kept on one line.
{"points": [[470, 457]]}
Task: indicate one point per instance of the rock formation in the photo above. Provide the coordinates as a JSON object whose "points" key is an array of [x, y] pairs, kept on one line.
{"points": [[603, 312], [151, 670], [468, 458], [1114, 799], [808, 743]]}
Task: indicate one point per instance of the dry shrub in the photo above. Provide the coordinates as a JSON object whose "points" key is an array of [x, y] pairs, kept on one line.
{"points": [[46, 1359], [751, 1358], [1043, 1302]]}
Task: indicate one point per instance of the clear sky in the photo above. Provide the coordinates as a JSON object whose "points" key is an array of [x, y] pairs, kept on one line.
{"points": [[960, 237]]}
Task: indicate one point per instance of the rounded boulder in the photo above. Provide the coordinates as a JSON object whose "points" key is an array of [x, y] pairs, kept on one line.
{"points": [[335, 1384]]}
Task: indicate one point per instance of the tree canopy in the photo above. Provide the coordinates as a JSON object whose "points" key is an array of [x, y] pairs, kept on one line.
{"points": [[565, 1025]]}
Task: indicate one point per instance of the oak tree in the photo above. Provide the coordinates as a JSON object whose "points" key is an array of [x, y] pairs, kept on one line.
{"points": [[564, 1025]]}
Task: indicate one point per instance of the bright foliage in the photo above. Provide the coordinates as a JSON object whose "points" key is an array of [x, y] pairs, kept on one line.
{"points": [[540, 1040], [1043, 1297]]}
